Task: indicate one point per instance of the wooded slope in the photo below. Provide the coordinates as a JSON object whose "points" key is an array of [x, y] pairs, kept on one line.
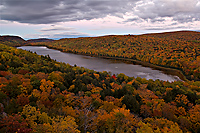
{"points": [[38, 94], [180, 50], [12, 40]]}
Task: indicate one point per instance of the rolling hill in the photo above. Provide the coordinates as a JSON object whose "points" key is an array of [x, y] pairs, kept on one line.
{"points": [[179, 50]]}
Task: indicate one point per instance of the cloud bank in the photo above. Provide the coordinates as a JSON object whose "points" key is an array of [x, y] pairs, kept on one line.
{"points": [[52, 11], [74, 18]]}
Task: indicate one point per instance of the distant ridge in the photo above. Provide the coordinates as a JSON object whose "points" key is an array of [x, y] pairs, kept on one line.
{"points": [[177, 35], [18, 41], [11, 38], [190, 36], [172, 32], [40, 40]]}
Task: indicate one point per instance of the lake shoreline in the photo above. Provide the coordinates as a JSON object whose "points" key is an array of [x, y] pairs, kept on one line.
{"points": [[166, 70]]}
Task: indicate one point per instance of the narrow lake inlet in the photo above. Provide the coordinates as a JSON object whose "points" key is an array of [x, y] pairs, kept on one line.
{"points": [[100, 64]]}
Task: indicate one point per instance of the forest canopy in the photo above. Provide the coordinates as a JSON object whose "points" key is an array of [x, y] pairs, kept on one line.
{"points": [[38, 94]]}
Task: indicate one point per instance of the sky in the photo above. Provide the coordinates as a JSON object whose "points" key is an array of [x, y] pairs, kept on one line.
{"points": [[81, 18]]}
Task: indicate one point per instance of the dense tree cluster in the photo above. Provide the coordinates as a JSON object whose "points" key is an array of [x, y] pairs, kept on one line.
{"points": [[38, 94], [179, 50]]}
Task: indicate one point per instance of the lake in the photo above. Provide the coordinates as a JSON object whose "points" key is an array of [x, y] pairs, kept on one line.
{"points": [[100, 64]]}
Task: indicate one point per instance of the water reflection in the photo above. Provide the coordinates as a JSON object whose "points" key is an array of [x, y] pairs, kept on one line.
{"points": [[100, 64]]}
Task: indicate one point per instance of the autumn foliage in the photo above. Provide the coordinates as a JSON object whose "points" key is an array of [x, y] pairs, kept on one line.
{"points": [[178, 50], [38, 94]]}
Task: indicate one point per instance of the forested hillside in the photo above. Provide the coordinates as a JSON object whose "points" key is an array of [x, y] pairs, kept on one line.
{"points": [[179, 50], [38, 94], [189, 36], [12, 40], [39, 40]]}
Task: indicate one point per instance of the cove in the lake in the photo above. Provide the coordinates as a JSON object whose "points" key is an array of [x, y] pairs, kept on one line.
{"points": [[100, 64]]}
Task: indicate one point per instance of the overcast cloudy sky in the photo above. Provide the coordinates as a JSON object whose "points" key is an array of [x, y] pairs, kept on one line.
{"points": [[74, 18]]}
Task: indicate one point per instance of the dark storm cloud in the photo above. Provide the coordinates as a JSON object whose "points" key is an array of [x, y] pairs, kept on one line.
{"points": [[180, 10], [52, 11]]}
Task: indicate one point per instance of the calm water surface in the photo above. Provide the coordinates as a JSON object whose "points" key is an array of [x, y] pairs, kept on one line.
{"points": [[100, 64]]}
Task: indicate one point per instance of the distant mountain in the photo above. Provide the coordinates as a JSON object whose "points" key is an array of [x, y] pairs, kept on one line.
{"points": [[12, 40], [18, 41], [40, 40]]}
